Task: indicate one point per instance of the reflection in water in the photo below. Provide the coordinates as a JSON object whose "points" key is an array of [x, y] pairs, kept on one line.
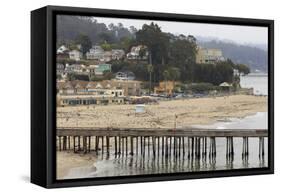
{"points": [[180, 161]]}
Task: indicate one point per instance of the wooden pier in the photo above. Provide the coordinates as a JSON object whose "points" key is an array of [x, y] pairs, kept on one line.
{"points": [[190, 142]]}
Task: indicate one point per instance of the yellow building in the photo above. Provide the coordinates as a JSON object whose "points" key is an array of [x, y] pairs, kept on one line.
{"points": [[209, 56], [165, 87], [85, 93]]}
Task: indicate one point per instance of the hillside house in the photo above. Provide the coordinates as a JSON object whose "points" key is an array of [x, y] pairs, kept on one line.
{"points": [[126, 75], [95, 53], [101, 68], [59, 68], [75, 55], [138, 53]]}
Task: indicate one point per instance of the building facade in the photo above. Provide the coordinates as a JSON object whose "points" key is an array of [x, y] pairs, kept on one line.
{"points": [[165, 87], [101, 68], [209, 56], [95, 53], [138, 53], [87, 93], [75, 55], [130, 87], [125, 75], [59, 68]]}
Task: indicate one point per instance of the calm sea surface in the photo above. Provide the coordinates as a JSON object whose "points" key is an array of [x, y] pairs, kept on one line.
{"points": [[137, 165], [257, 81]]}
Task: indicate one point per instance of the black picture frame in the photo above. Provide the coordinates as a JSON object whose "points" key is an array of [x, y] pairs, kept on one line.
{"points": [[43, 99]]}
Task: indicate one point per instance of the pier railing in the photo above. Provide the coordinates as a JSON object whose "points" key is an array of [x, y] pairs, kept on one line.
{"points": [[85, 131]]}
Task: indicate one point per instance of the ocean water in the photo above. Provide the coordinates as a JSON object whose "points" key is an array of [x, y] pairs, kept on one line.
{"points": [[257, 81]]}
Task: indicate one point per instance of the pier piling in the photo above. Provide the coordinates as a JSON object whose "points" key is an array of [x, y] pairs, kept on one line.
{"points": [[166, 143]]}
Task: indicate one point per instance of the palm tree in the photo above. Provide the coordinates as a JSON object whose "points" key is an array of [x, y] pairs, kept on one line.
{"points": [[166, 76], [150, 70]]}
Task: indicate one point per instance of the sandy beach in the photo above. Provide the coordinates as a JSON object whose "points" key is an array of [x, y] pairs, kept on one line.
{"points": [[197, 111], [69, 160]]}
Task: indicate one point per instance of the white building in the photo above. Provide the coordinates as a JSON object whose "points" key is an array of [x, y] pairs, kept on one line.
{"points": [[96, 53], [74, 68], [127, 75], [60, 68], [209, 55], [136, 53], [62, 49], [117, 54], [75, 55]]}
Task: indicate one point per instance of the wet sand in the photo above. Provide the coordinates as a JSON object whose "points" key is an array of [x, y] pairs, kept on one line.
{"points": [[67, 161], [198, 111]]}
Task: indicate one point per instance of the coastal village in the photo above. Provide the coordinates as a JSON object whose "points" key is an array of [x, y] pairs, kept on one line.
{"points": [[122, 86], [140, 103]]}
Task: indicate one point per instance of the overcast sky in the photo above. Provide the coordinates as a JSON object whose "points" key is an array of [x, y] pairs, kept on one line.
{"points": [[238, 34]]}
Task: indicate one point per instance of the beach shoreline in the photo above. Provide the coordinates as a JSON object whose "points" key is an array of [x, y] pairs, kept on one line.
{"points": [[67, 161]]}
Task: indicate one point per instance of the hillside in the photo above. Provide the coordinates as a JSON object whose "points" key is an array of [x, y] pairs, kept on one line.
{"points": [[69, 27]]}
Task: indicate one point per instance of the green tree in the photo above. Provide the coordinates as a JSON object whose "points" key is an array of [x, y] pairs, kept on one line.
{"points": [[126, 43], [214, 73], [157, 43], [106, 37], [242, 69], [166, 76], [142, 52], [182, 52], [236, 82], [201, 87], [85, 43], [105, 46]]}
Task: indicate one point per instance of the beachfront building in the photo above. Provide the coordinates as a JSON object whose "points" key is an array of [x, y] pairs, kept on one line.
{"points": [[165, 87], [75, 55], [86, 93], [130, 87], [138, 53], [209, 56], [226, 87]]}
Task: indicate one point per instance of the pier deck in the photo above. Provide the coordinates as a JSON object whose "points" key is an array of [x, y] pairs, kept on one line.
{"points": [[181, 132]]}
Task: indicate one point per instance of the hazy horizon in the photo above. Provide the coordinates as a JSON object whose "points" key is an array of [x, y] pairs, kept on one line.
{"points": [[231, 33]]}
